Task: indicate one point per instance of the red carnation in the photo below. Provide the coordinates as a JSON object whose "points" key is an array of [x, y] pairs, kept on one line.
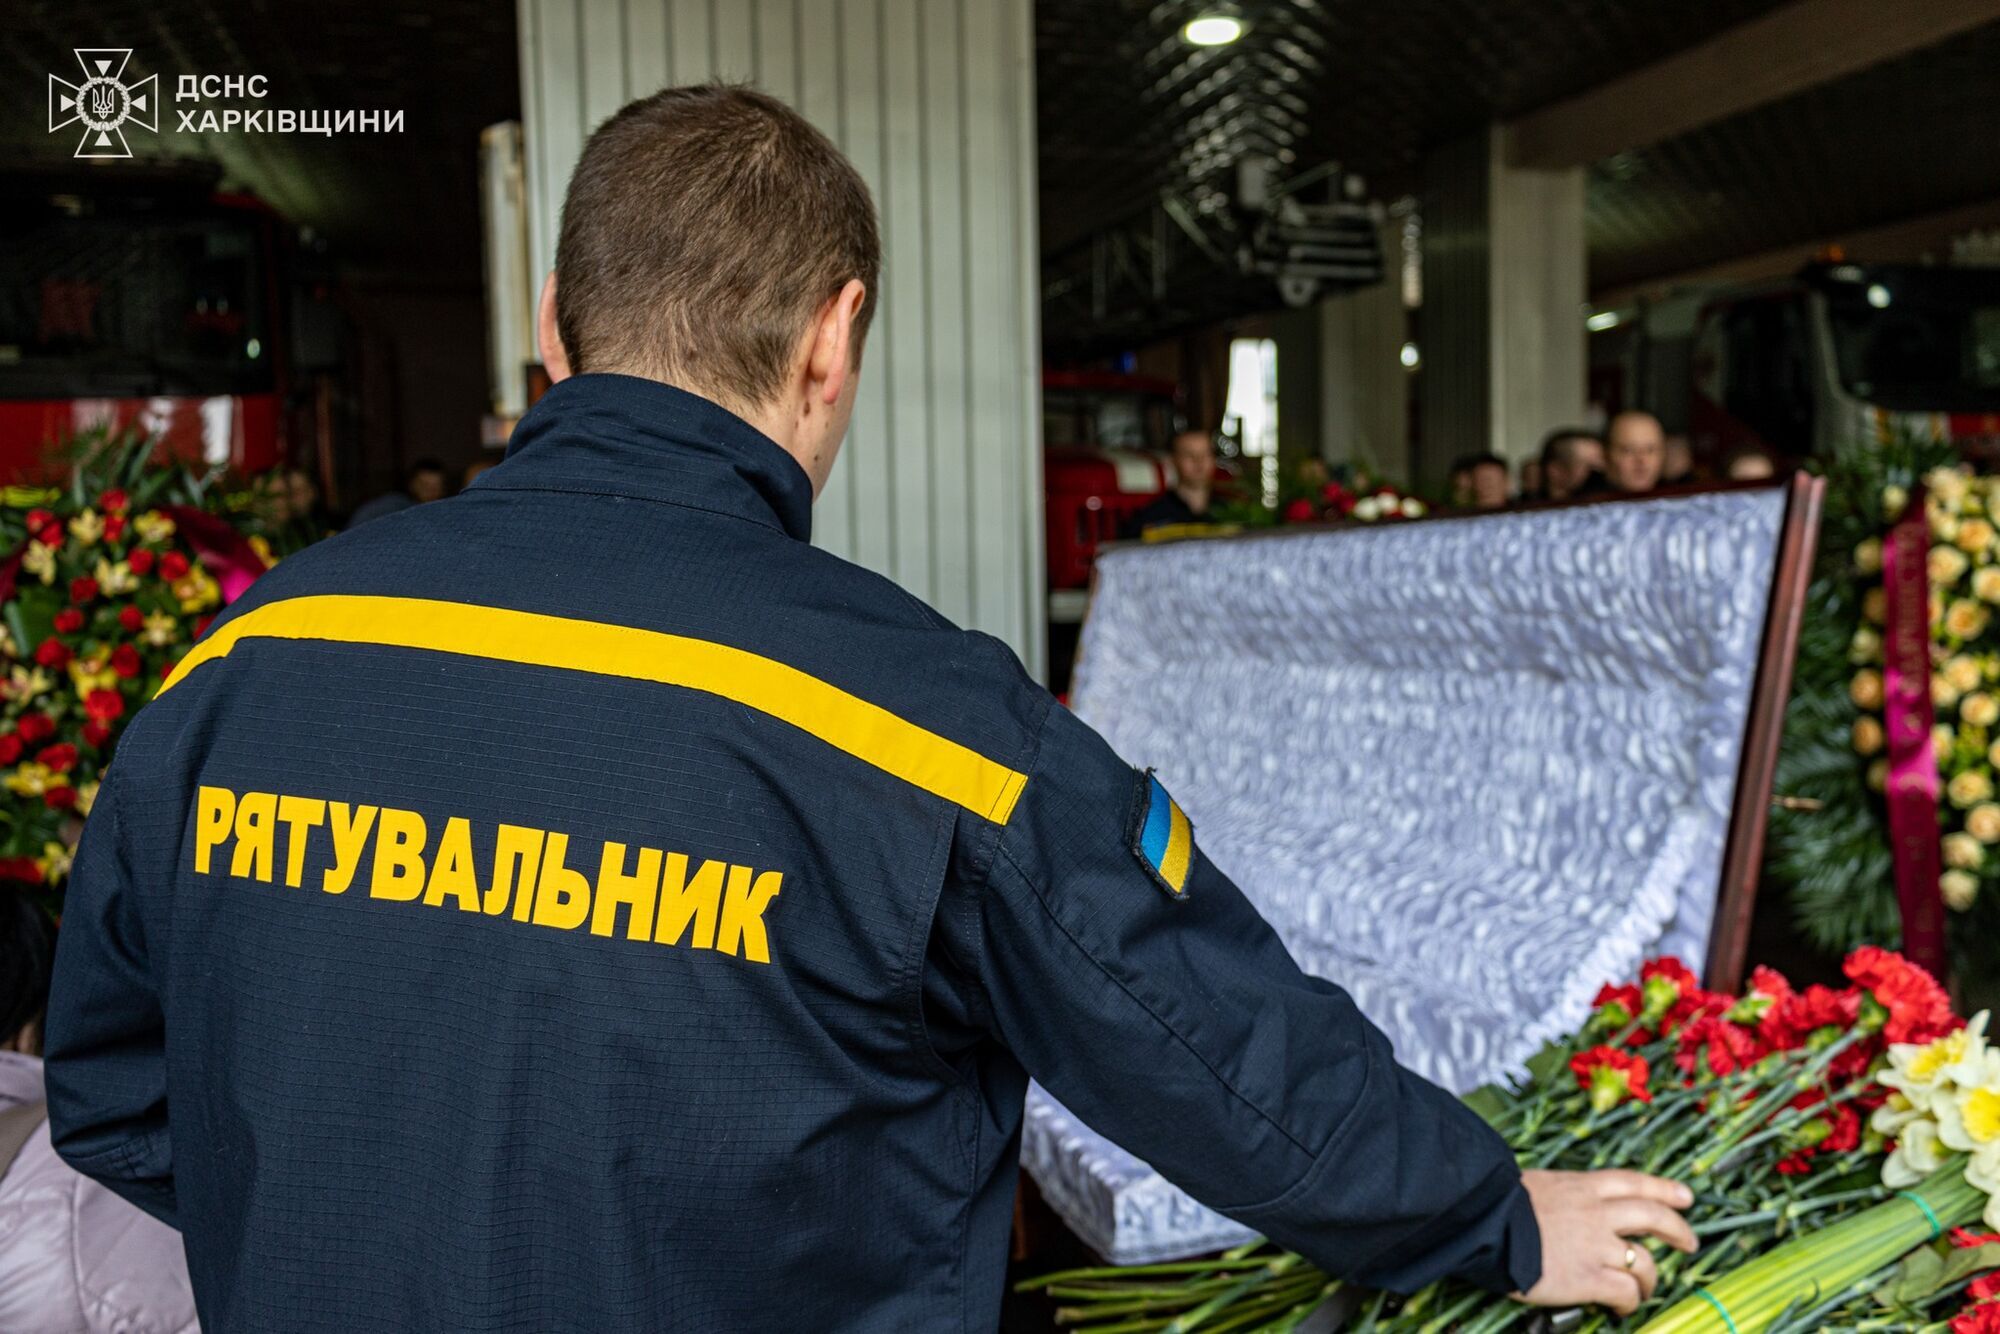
{"points": [[1918, 1010], [53, 654], [39, 519], [35, 727], [173, 566], [50, 535], [68, 621], [61, 798], [1798, 1016], [1727, 1047], [82, 589], [10, 748], [1299, 511], [61, 757], [131, 619], [1617, 1006], [1965, 1239], [1610, 1076], [21, 868], [125, 661], [141, 561], [113, 501], [104, 706], [95, 734], [114, 527]]}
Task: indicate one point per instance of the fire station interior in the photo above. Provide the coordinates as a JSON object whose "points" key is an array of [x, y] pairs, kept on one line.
{"points": [[1380, 236]]}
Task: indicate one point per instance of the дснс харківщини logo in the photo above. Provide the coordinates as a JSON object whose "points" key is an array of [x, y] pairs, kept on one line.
{"points": [[103, 102]]}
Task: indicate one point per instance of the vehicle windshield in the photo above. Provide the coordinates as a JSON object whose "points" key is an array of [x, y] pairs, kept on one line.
{"points": [[125, 306], [1918, 340], [1107, 418]]}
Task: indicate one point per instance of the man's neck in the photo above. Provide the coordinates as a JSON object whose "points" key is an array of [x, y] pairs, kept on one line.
{"points": [[1196, 498]]}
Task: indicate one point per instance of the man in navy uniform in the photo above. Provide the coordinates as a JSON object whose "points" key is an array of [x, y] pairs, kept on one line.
{"points": [[581, 904]]}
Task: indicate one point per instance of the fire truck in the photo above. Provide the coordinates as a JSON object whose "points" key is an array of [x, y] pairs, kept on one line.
{"points": [[1105, 439], [1797, 367], [139, 297]]}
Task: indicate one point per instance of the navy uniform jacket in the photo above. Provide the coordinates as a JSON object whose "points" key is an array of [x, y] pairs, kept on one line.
{"points": [[584, 905]]}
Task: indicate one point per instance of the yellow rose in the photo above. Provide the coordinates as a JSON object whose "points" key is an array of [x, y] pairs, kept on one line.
{"points": [[1867, 735], [1965, 619], [1874, 605], [1986, 583], [1878, 775], [1959, 888], [40, 561], [1868, 556], [1963, 851], [154, 527], [1947, 485], [1974, 536], [1993, 754], [1866, 690], [1943, 693], [1963, 672], [1894, 498], [1980, 710], [1944, 526], [1946, 564], [1983, 822], [1866, 646], [1969, 788]]}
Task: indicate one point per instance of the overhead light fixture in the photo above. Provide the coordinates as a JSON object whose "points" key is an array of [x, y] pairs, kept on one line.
{"points": [[1878, 296], [1410, 357], [1602, 320], [1213, 29]]}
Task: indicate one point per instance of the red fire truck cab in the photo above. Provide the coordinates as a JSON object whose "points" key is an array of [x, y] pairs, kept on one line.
{"points": [[1106, 438], [136, 298]]}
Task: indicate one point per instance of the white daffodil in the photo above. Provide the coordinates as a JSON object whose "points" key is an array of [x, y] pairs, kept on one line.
{"points": [[1969, 1119], [1889, 1119], [1918, 1154], [1976, 1065], [1983, 1170], [1917, 1071]]}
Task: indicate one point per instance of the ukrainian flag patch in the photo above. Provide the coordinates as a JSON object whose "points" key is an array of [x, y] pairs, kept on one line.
{"points": [[1162, 838]]}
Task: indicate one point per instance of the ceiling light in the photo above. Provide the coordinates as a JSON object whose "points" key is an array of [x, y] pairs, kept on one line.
{"points": [[1878, 296], [1410, 356], [1213, 29], [1602, 320]]}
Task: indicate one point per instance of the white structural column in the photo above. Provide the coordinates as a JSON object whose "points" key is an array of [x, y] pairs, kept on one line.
{"points": [[939, 486], [1503, 338], [1364, 388]]}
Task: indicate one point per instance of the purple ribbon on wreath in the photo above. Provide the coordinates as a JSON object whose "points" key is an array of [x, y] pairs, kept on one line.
{"points": [[1912, 788]]}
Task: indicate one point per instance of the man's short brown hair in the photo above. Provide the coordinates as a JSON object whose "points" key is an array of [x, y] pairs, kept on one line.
{"points": [[703, 230]]}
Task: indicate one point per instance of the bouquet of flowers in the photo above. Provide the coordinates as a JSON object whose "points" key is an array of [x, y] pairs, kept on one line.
{"points": [[103, 586], [1964, 576], [1826, 1133]]}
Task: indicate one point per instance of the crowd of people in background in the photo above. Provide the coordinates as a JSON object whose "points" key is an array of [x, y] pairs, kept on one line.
{"points": [[1633, 456]]}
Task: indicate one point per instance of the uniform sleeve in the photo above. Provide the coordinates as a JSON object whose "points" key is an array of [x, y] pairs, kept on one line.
{"points": [[1179, 1027], [106, 1054]]}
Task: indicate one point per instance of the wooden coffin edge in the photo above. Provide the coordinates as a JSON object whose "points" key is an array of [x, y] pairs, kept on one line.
{"points": [[1763, 731]]}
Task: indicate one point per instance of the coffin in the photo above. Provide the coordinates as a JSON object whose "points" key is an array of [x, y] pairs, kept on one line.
{"points": [[1468, 768]]}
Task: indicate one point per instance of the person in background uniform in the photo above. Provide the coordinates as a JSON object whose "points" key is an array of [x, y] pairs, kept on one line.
{"points": [[1635, 452], [74, 1258], [423, 483], [1187, 501], [585, 904], [1531, 479], [1572, 464], [1488, 475]]}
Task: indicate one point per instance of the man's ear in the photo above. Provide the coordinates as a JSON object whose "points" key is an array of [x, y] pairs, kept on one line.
{"points": [[836, 350], [548, 337]]}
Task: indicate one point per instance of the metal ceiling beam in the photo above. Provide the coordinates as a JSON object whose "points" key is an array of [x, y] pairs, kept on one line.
{"points": [[1807, 43]]}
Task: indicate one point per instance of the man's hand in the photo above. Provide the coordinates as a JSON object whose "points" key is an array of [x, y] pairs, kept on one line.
{"points": [[1592, 1223]]}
